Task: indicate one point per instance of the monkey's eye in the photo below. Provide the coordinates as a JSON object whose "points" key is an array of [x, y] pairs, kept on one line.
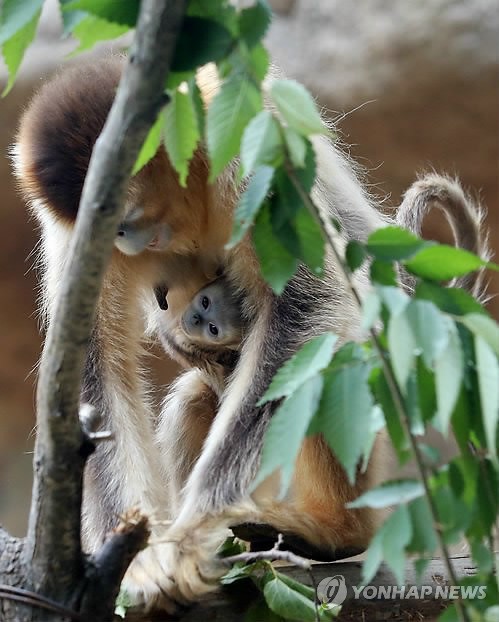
{"points": [[121, 233], [205, 302], [213, 329]]}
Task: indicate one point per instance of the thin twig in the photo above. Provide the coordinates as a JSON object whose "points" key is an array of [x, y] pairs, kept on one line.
{"points": [[8, 592], [389, 376], [271, 555]]}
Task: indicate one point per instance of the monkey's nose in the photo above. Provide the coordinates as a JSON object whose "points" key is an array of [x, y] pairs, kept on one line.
{"points": [[196, 319]]}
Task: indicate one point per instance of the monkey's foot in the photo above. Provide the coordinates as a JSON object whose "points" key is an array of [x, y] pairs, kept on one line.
{"points": [[168, 576]]}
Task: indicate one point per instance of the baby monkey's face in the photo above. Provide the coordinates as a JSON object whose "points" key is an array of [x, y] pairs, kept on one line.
{"points": [[214, 315]]}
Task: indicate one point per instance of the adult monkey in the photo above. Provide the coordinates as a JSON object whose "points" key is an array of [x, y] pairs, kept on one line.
{"points": [[210, 435]]}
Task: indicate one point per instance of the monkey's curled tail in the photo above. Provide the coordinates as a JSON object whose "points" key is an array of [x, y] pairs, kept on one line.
{"points": [[464, 216]]}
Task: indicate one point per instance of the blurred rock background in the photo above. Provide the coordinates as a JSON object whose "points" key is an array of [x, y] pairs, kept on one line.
{"points": [[414, 86]]}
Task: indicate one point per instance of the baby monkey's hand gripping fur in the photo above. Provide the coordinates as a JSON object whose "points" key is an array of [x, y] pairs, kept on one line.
{"points": [[196, 467]]}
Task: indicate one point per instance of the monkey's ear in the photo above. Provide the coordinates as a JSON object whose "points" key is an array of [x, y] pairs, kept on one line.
{"points": [[161, 292], [58, 131]]}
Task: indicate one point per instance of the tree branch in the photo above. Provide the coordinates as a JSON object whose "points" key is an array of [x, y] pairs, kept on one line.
{"points": [[53, 550]]}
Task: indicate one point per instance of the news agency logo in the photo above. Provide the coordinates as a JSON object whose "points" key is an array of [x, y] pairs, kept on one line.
{"points": [[333, 591]]}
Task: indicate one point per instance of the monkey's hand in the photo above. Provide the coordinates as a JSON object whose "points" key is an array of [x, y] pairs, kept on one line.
{"points": [[178, 569]]}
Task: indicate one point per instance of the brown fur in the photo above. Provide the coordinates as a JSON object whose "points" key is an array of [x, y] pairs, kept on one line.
{"points": [[208, 440]]}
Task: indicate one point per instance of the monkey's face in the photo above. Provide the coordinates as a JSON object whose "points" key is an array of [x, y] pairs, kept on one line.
{"points": [[213, 317], [136, 234]]}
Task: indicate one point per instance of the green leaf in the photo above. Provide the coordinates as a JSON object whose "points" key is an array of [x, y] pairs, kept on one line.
{"points": [[393, 244], [91, 29], [259, 612], [449, 371], [220, 11], [116, 11], [258, 62], [261, 143], [452, 300], [430, 329], [388, 545], [383, 273], [297, 107], [276, 263], [393, 423], [181, 133], [355, 254], [16, 15], [344, 413], [123, 603], [151, 144], [288, 603], [197, 103], [441, 262], [238, 572], [237, 102], [483, 326], [311, 245], [306, 590], [371, 309], [389, 493], [488, 384], [310, 359], [287, 430], [402, 346], [250, 202], [297, 147], [424, 538], [200, 41], [14, 48], [254, 22]]}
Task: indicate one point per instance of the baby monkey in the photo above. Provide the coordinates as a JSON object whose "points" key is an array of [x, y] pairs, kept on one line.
{"points": [[207, 329], [213, 317]]}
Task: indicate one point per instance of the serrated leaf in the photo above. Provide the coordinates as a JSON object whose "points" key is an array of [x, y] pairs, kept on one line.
{"points": [[383, 273], [218, 10], [452, 300], [151, 144], [254, 22], [311, 245], [200, 41], [430, 329], [261, 142], [90, 29], [250, 202], [424, 539], [402, 346], [297, 147], [395, 299], [257, 63], [484, 326], [393, 423], [310, 359], [344, 413], [449, 370], [371, 309], [488, 384], [259, 612], [355, 254], [287, 430], [389, 493], [233, 107], [16, 15], [393, 244], [388, 545], [181, 134], [276, 263], [238, 572], [116, 11], [288, 603], [441, 262], [14, 48], [297, 107], [197, 103]]}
